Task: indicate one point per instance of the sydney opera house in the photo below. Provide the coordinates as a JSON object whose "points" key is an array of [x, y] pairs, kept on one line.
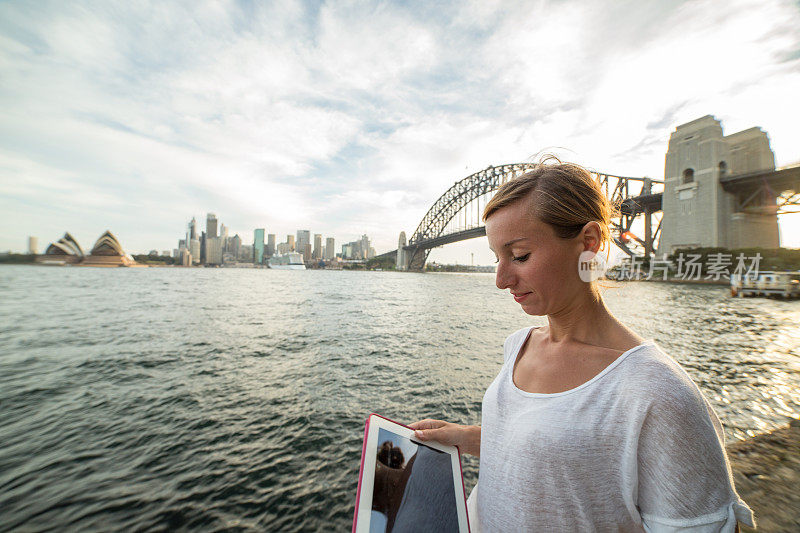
{"points": [[106, 252]]}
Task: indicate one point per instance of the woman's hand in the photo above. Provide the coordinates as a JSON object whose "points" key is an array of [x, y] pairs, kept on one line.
{"points": [[467, 438]]}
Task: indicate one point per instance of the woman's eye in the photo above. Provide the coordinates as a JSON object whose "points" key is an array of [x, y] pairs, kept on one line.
{"points": [[522, 258]]}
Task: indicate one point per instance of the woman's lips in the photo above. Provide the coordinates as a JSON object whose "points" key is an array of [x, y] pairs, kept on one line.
{"points": [[521, 296]]}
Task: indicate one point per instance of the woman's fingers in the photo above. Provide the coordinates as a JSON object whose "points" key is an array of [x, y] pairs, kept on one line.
{"points": [[429, 434], [445, 433], [430, 429], [428, 423]]}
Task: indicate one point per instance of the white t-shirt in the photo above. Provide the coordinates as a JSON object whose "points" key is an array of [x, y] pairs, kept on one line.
{"points": [[636, 448]]}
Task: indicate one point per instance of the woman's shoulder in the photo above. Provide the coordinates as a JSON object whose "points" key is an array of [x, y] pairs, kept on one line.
{"points": [[651, 372], [650, 360], [520, 335], [514, 342]]}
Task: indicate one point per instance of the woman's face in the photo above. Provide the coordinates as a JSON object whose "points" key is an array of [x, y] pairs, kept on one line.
{"points": [[539, 268]]}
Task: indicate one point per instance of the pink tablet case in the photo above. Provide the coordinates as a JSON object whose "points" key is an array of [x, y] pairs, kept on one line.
{"points": [[361, 469]]}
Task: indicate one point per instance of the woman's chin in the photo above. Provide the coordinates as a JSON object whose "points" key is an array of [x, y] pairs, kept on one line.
{"points": [[533, 309]]}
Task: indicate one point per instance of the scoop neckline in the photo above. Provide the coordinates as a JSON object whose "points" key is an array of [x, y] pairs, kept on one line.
{"points": [[606, 370]]}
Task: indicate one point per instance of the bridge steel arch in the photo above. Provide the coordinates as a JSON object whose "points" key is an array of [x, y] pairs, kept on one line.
{"points": [[451, 203], [430, 231]]}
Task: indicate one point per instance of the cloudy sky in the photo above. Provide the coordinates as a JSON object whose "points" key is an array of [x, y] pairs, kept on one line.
{"points": [[354, 117]]}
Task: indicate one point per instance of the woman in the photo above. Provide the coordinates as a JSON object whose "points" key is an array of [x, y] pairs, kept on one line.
{"points": [[587, 427]]}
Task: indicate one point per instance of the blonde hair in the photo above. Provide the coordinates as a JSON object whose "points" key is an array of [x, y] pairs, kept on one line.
{"points": [[563, 195]]}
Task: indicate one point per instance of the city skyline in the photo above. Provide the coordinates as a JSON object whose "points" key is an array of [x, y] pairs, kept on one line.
{"points": [[205, 247], [303, 116]]}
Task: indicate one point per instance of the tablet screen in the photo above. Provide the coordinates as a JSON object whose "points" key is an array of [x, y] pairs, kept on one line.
{"points": [[413, 488]]}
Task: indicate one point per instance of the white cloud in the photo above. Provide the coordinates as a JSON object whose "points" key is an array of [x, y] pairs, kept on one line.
{"points": [[354, 117]]}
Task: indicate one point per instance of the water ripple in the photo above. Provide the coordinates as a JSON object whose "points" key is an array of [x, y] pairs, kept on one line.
{"points": [[235, 400]]}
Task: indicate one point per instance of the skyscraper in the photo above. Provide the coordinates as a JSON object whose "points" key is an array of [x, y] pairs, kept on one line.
{"points": [[223, 235], [290, 242], [330, 248], [317, 254], [258, 246], [214, 251], [235, 245], [194, 250], [245, 252], [192, 229], [270, 245], [211, 225], [33, 245], [303, 238], [365, 247]]}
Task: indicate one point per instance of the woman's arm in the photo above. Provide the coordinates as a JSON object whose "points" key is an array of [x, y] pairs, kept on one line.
{"points": [[466, 438], [683, 477]]}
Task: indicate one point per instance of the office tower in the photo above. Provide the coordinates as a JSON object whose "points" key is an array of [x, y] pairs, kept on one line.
{"points": [[290, 242], [307, 252], [330, 248], [182, 244], [223, 235], [246, 253], [186, 258], [364, 247], [33, 245], [214, 251], [317, 253], [234, 243], [211, 225], [194, 250], [203, 247], [176, 253], [270, 245], [192, 229], [303, 238], [258, 246]]}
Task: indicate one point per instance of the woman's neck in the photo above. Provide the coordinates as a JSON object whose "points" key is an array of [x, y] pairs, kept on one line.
{"points": [[586, 320]]}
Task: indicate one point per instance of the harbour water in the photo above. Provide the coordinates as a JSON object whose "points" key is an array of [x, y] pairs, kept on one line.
{"points": [[234, 399]]}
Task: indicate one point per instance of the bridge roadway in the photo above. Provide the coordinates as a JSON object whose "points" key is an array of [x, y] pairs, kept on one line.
{"points": [[752, 189]]}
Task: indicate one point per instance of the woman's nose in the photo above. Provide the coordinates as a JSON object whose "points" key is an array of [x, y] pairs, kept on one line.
{"points": [[502, 278]]}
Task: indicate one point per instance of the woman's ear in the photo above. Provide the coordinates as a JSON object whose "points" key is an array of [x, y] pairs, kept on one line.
{"points": [[591, 237]]}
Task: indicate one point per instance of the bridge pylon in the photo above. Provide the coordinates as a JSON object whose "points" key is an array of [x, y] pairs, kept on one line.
{"points": [[706, 204]]}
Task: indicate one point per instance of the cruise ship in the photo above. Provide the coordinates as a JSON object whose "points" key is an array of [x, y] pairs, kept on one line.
{"points": [[290, 261]]}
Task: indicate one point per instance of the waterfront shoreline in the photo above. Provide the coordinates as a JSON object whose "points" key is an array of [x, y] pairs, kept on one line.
{"points": [[766, 471]]}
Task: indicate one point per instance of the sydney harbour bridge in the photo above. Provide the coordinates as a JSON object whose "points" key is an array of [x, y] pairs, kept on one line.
{"points": [[720, 191], [456, 215]]}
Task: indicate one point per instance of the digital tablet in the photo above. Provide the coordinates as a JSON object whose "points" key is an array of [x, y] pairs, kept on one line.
{"points": [[407, 485]]}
